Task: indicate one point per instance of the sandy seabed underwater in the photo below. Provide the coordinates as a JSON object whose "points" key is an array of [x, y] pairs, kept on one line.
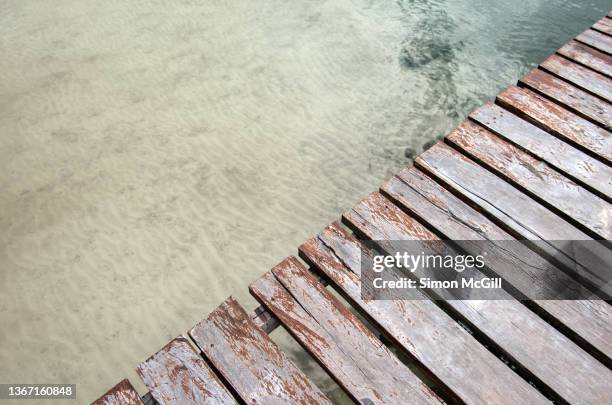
{"points": [[156, 157]]}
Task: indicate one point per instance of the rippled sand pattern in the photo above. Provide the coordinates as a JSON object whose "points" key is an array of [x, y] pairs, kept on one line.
{"points": [[157, 156]]}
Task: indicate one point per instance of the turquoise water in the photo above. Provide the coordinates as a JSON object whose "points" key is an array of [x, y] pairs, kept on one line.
{"points": [[156, 157]]}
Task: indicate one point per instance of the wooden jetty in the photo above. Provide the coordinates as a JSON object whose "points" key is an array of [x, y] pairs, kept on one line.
{"points": [[534, 165]]}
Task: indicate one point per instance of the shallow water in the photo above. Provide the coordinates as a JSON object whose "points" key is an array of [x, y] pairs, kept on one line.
{"points": [[156, 157]]}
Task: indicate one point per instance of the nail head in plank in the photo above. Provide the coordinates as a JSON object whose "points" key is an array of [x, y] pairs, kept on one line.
{"points": [[561, 193], [121, 394], [569, 96], [250, 361], [421, 328], [576, 164], [343, 346], [581, 76], [590, 57], [178, 375], [590, 320], [521, 334], [597, 40]]}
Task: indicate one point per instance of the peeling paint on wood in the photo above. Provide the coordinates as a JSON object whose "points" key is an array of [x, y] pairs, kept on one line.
{"points": [[121, 394], [590, 320], [517, 212], [177, 374], [587, 56], [539, 167], [536, 176], [343, 346], [569, 96], [596, 39], [250, 361], [529, 340], [553, 119], [604, 25], [420, 327], [581, 76]]}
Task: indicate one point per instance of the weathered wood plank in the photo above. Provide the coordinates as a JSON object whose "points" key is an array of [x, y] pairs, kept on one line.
{"points": [[121, 394], [537, 177], [250, 361], [520, 267], [582, 77], [571, 97], [343, 346], [554, 119], [420, 327], [589, 321], [596, 39], [522, 335], [178, 375], [574, 163], [514, 210], [604, 25], [587, 56]]}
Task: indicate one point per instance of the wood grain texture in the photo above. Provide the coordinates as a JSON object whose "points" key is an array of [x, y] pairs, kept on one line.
{"points": [[590, 57], [121, 394], [178, 375], [590, 321], [495, 196], [574, 99], [556, 120], [536, 176], [250, 361], [522, 335], [580, 76], [596, 39], [343, 346], [604, 25], [420, 327], [516, 212]]}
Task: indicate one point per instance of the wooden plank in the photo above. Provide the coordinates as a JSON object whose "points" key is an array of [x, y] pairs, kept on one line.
{"points": [[577, 165], [353, 356], [590, 322], [604, 25], [421, 328], [597, 40], [519, 333], [264, 319], [121, 394], [571, 97], [178, 375], [520, 267], [580, 76], [510, 208], [537, 177], [587, 56], [258, 371], [554, 119]]}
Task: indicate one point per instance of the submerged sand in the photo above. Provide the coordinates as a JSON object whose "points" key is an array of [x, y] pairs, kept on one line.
{"points": [[156, 157]]}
